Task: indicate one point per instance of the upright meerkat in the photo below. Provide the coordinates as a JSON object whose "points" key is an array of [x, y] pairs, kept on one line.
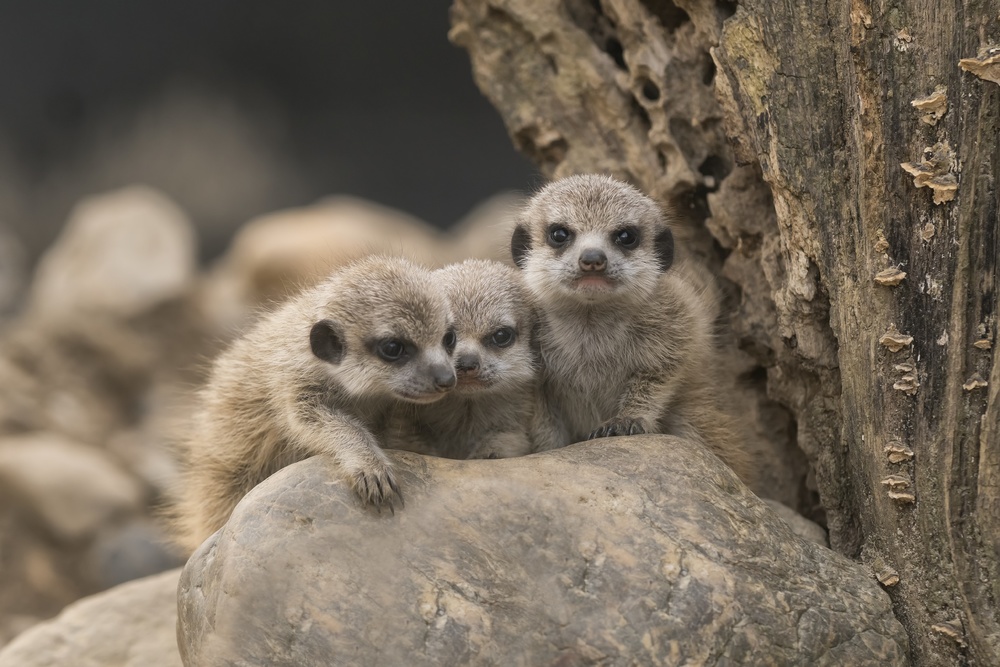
{"points": [[626, 338], [488, 413], [318, 376]]}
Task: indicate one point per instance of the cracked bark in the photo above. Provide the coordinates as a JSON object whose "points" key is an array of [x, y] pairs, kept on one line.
{"points": [[780, 132]]}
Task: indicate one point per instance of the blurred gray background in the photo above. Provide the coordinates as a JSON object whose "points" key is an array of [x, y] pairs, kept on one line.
{"points": [[238, 107]]}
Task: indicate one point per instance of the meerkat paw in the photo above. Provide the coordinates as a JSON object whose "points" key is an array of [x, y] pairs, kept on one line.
{"points": [[376, 486], [618, 426]]}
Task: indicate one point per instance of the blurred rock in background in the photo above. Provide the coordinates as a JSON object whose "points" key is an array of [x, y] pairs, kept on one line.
{"points": [[280, 253]]}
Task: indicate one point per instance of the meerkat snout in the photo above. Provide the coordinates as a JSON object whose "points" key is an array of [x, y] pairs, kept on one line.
{"points": [[467, 364], [593, 260], [444, 377]]}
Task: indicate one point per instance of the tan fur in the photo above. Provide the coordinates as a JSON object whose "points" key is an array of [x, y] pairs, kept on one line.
{"points": [[271, 400], [487, 415], [634, 354]]}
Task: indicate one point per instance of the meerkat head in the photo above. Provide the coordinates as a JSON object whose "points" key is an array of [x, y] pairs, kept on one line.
{"points": [[384, 327], [493, 322], [592, 239]]}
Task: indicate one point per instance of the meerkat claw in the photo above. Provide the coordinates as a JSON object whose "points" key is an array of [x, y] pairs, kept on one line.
{"points": [[399, 494], [617, 427]]}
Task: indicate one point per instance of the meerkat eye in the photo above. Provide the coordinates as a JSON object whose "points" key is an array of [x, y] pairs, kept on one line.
{"points": [[558, 236], [390, 349], [626, 238], [449, 341], [502, 337]]}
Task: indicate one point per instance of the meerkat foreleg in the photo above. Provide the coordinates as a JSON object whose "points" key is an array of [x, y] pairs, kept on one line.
{"points": [[547, 429], [640, 408], [357, 452]]}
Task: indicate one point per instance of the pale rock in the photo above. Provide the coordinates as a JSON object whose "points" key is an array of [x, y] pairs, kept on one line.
{"points": [[73, 488], [620, 551], [120, 253], [132, 625], [134, 549], [82, 377], [273, 256], [801, 526], [484, 233]]}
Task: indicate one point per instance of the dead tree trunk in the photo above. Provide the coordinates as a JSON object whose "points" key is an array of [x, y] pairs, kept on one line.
{"points": [[861, 232]]}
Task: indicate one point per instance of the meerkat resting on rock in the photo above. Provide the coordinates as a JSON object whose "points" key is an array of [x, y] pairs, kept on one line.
{"points": [[626, 339], [488, 413], [318, 376]]}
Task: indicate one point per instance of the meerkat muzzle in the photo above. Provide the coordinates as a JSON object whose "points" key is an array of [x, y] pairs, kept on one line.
{"points": [[593, 260]]}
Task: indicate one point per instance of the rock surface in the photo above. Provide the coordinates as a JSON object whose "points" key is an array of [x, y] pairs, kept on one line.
{"points": [[73, 488], [485, 231], [642, 550], [801, 526], [120, 253], [133, 625], [277, 254]]}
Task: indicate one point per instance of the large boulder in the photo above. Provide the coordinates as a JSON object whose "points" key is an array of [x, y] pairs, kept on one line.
{"points": [[485, 231], [121, 253], [74, 489], [641, 550], [275, 255], [132, 625]]}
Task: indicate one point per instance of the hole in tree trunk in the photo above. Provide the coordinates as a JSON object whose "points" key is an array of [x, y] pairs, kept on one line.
{"points": [[650, 90], [708, 71], [588, 16], [614, 49], [725, 8], [716, 168], [671, 16]]}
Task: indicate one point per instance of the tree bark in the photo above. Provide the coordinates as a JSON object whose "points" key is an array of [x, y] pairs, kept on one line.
{"points": [[840, 168]]}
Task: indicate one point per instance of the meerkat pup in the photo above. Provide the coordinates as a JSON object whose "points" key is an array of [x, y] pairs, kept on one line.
{"points": [[626, 339], [318, 376], [488, 413]]}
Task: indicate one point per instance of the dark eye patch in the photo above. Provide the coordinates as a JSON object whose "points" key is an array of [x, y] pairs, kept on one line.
{"points": [[558, 236], [502, 337], [664, 246], [394, 350], [626, 237]]}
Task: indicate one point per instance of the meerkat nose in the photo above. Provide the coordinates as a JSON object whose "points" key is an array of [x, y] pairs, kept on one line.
{"points": [[444, 377], [593, 260], [467, 364]]}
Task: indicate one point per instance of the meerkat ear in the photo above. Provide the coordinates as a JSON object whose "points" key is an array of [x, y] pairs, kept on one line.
{"points": [[520, 244], [326, 341], [663, 244]]}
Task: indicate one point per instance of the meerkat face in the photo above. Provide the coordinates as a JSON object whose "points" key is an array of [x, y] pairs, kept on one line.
{"points": [[494, 322], [390, 332], [592, 239]]}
